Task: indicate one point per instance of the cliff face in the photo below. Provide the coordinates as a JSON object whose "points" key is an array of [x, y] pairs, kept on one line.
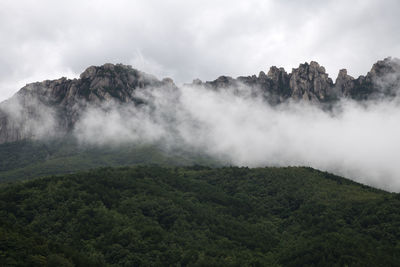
{"points": [[309, 82], [57, 105]]}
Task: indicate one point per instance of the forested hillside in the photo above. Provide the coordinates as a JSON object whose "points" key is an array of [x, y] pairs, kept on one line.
{"points": [[29, 159], [198, 216]]}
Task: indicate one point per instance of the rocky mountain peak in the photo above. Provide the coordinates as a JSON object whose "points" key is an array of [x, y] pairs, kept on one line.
{"points": [[315, 67], [384, 78], [262, 75], [310, 82], [310, 70], [67, 99], [89, 73], [344, 84], [105, 69], [342, 74], [197, 82], [385, 66], [222, 82], [274, 73]]}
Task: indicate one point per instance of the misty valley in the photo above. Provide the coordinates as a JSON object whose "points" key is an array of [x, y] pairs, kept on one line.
{"points": [[119, 168]]}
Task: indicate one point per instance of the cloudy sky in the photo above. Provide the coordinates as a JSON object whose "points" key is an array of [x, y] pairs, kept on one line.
{"points": [[47, 39]]}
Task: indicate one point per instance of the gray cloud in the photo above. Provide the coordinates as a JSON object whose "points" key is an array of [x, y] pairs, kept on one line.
{"points": [[191, 39], [47, 39], [28, 118], [356, 140]]}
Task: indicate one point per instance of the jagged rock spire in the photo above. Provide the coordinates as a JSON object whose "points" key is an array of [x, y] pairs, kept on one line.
{"points": [[66, 99]]}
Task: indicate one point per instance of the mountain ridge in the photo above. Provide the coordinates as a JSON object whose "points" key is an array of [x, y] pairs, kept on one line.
{"points": [[310, 82], [64, 99]]}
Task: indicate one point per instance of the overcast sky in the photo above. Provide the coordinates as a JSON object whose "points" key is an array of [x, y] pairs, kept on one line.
{"points": [[48, 39]]}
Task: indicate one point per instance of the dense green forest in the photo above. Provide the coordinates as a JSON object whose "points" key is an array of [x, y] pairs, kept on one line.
{"points": [[198, 216], [29, 159]]}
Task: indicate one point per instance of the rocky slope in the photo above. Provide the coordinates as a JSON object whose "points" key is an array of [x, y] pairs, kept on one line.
{"points": [[57, 105], [310, 82], [61, 102]]}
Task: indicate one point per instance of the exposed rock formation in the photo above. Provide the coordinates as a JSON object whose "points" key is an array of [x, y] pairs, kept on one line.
{"points": [[61, 102], [58, 104], [344, 84], [309, 82]]}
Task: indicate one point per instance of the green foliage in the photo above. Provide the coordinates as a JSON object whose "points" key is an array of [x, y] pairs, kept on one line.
{"points": [[19, 154], [29, 159], [198, 216]]}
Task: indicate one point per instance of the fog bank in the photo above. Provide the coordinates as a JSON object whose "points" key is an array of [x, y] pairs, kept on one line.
{"points": [[356, 140]]}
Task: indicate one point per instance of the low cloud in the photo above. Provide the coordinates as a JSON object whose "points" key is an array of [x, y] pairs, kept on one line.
{"points": [[27, 117], [356, 140]]}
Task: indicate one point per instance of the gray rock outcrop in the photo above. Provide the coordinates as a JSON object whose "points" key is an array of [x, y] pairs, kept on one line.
{"points": [[57, 105], [310, 82], [61, 102]]}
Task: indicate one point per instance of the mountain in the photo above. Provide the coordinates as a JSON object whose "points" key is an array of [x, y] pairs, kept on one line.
{"points": [[62, 101], [310, 82], [56, 106], [198, 216], [165, 208]]}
